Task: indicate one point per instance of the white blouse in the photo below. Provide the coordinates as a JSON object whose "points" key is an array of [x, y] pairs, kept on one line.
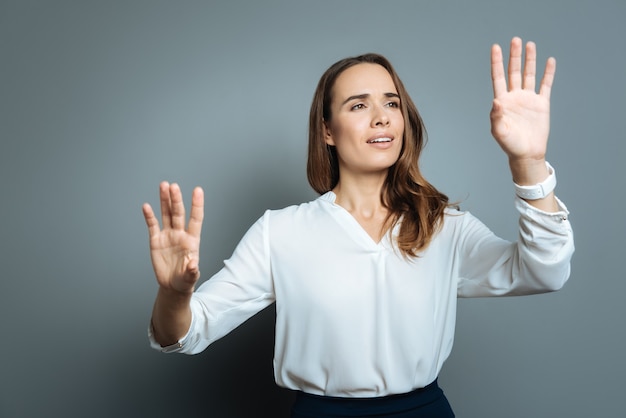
{"points": [[354, 318]]}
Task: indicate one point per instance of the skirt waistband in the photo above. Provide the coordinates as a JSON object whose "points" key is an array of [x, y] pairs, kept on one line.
{"points": [[308, 405]]}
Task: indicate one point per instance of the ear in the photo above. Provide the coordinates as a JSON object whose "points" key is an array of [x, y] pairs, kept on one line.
{"points": [[328, 136]]}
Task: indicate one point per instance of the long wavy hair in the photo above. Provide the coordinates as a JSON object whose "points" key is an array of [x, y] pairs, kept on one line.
{"points": [[409, 198]]}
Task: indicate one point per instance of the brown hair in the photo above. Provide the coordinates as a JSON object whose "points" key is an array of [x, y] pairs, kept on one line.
{"points": [[406, 193]]}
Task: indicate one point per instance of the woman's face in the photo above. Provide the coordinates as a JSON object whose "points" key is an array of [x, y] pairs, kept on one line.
{"points": [[366, 124]]}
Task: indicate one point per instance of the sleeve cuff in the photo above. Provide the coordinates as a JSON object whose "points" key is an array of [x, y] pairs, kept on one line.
{"points": [[174, 348], [527, 209]]}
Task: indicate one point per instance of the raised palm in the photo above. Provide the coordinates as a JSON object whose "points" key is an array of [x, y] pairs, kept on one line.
{"points": [[175, 248], [520, 117]]}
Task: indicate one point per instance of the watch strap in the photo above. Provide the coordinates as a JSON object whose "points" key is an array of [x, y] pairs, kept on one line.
{"points": [[539, 190]]}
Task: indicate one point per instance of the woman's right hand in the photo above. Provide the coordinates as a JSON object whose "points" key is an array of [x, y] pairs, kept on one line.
{"points": [[174, 248]]}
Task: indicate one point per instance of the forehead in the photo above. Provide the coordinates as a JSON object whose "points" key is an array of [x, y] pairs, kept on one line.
{"points": [[363, 78]]}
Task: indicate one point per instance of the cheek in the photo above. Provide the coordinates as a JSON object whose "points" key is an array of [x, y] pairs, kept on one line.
{"points": [[342, 132], [399, 121], [400, 124]]}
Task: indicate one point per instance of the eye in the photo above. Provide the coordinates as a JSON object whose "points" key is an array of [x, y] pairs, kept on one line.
{"points": [[394, 104], [357, 106]]}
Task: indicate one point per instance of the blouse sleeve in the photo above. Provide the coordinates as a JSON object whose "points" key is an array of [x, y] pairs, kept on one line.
{"points": [[243, 287], [538, 262]]}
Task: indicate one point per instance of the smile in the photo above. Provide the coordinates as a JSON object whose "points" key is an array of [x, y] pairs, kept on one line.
{"points": [[379, 140]]}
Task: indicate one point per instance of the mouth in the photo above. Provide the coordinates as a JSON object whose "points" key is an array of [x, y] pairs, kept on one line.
{"points": [[379, 140]]}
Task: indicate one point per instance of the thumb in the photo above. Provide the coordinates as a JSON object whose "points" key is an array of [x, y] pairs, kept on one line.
{"points": [[193, 268], [499, 128], [496, 109]]}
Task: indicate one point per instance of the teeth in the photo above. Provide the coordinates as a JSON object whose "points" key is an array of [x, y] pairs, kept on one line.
{"points": [[374, 141]]}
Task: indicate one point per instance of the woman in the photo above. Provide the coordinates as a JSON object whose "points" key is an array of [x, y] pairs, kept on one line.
{"points": [[365, 277]]}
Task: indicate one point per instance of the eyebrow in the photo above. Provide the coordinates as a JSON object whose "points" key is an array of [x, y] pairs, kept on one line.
{"points": [[366, 95]]}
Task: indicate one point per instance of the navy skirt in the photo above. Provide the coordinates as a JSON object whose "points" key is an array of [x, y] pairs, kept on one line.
{"points": [[427, 402]]}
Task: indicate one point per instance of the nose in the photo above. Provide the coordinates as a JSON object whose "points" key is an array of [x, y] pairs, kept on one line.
{"points": [[380, 117]]}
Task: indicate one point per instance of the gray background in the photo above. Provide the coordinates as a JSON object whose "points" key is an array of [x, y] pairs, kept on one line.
{"points": [[100, 101]]}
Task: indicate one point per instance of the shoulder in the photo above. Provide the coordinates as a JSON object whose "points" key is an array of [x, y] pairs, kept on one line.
{"points": [[301, 213], [295, 225], [455, 221], [454, 216]]}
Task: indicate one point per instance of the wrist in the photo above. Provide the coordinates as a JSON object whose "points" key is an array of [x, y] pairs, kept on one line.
{"points": [[528, 171], [172, 298], [171, 316]]}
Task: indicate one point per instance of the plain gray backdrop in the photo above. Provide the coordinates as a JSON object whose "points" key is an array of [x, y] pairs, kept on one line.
{"points": [[100, 101]]}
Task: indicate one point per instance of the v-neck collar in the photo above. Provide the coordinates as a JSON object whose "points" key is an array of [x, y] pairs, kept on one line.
{"points": [[353, 227]]}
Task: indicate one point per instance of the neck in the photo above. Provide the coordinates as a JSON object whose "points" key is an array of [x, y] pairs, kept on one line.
{"points": [[361, 194]]}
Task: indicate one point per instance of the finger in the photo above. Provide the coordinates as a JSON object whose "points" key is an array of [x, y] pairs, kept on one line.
{"points": [[164, 195], [151, 220], [197, 212], [178, 208], [530, 66], [515, 64], [548, 78], [497, 71]]}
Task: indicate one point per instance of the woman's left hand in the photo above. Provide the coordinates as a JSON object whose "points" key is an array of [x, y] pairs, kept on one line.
{"points": [[520, 117]]}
